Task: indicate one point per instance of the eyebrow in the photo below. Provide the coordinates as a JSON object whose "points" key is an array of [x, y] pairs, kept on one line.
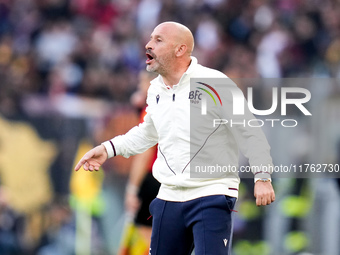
{"points": [[156, 36]]}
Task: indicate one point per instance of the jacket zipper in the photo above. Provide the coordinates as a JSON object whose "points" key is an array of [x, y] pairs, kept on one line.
{"points": [[173, 97]]}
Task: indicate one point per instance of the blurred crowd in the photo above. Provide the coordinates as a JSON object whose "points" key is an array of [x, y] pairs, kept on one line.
{"points": [[94, 50]]}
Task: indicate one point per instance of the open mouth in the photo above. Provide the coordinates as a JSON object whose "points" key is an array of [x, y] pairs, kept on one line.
{"points": [[149, 58]]}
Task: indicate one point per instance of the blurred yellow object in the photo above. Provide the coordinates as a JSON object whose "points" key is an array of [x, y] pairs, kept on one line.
{"points": [[134, 243], [25, 159], [86, 186]]}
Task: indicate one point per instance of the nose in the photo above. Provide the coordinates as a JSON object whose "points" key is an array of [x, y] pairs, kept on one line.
{"points": [[148, 46]]}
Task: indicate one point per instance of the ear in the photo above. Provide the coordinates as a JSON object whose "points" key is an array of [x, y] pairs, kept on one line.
{"points": [[181, 50]]}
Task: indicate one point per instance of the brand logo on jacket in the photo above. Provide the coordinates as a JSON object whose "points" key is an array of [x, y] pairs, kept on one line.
{"points": [[197, 96]]}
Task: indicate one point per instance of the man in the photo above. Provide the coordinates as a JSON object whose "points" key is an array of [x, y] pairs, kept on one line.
{"points": [[188, 212]]}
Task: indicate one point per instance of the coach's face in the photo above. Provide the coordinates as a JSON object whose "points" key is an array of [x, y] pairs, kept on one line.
{"points": [[160, 50]]}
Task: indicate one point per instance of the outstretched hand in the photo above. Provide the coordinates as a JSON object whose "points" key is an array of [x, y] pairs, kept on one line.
{"points": [[264, 193], [93, 159]]}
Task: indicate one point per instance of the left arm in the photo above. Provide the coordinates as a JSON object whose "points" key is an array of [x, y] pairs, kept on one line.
{"points": [[253, 144]]}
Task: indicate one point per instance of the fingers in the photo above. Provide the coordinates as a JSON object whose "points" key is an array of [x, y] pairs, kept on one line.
{"points": [[83, 160], [93, 168], [86, 166], [80, 163], [89, 166], [264, 193], [258, 201], [261, 201], [87, 163]]}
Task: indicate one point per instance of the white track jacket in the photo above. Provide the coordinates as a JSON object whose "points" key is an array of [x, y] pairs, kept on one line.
{"points": [[184, 144]]}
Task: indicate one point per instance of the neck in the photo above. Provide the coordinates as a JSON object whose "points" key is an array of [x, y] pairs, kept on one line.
{"points": [[173, 77]]}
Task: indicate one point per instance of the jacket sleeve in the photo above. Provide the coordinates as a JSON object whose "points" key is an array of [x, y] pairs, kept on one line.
{"points": [[135, 141], [248, 134]]}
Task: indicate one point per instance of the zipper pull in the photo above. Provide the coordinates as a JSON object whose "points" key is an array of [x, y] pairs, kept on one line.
{"points": [[173, 97]]}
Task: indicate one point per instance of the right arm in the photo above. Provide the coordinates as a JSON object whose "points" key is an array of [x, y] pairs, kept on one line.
{"points": [[135, 141]]}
